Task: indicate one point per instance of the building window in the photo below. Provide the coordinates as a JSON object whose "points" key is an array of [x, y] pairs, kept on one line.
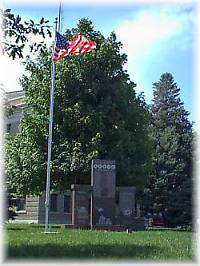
{"points": [[8, 128], [67, 203], [53, 202], [20, 204]]}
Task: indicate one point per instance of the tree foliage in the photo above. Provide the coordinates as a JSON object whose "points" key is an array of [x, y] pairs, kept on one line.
{"points": [[17, 34], [173, 149], [97, 115]]}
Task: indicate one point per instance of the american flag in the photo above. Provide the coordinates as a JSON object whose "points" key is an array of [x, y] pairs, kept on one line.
{"points": [[78, 45], [61, 45]]}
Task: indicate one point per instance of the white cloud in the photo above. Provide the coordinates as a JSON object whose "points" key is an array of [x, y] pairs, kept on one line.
{"points": [[153, 26], [12, 70], [154, 31], [140, 34]]}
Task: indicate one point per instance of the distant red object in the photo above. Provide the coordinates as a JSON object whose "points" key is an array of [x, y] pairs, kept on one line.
{"points": [[159, 221]]}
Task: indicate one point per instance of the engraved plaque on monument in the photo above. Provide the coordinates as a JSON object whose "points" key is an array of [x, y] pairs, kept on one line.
{"points": [[127, 204], [103, 180], [80, 204]]}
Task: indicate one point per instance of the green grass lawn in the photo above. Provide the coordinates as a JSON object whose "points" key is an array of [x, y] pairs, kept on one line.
{"points": [[29, 241]]}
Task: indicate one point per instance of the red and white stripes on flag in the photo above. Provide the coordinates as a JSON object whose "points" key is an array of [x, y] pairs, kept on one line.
{"points": [[78, 45]]}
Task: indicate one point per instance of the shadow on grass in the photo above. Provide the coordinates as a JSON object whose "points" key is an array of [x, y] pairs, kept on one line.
{"points": [[164, 229], [128, 251], [28, 227], [15, 229]]}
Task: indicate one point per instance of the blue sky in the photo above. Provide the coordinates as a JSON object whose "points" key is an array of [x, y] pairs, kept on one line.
{"points": [[157, 39]]}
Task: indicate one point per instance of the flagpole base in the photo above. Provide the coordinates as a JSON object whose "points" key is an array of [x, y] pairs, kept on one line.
{"points": [[50, 232]]}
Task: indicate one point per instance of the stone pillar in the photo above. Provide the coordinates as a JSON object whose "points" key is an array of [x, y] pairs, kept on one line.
{"points": [[103, 181], [81, 204], [127, 205]]}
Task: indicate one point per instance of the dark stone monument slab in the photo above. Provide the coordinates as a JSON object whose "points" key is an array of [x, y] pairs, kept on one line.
{"points": [[127, 205], [99, 206], [103, 181], [80, 204]]}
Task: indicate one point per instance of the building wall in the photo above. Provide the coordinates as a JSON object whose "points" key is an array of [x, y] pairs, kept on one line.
{"points": [[30, 214], [16, 101], [35, 206], [55, 217], [35, 210], [12, 122]]}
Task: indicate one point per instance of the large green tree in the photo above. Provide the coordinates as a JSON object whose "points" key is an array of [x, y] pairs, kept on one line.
{"points": [[97, 115], [172, 134]]}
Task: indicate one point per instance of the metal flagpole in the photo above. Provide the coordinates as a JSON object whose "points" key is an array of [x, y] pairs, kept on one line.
{"points": [[60, 18], [47, 200]]}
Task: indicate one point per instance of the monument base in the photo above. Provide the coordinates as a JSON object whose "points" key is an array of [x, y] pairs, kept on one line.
{"points": [[117, 228], [138, 224]]}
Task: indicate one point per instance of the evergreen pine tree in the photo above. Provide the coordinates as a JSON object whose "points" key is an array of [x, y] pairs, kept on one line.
{"points": [[172, 135]]}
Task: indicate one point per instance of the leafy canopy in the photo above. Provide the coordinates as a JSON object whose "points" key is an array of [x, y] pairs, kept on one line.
{"points": [[17, 33], [97, 115]]}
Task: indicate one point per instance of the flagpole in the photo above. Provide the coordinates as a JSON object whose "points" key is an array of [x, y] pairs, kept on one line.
{"points": [[47, 200], [60, 18]]}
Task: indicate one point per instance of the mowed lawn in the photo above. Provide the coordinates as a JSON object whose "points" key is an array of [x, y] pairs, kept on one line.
{"points": [[29, 241]]}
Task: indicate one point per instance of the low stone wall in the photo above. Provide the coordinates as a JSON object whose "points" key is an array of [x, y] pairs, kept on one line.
{"points": [[57, 217], [31, 212]]}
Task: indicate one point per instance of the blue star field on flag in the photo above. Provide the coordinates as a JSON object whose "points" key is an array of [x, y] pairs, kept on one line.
{"points": [[61, 44]]}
